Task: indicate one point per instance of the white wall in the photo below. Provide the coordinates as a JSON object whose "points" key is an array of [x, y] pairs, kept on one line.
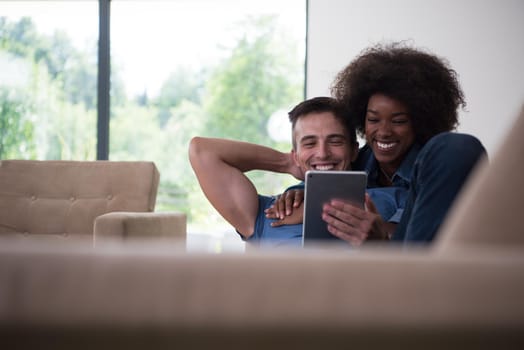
{"points": [[482, 39]]}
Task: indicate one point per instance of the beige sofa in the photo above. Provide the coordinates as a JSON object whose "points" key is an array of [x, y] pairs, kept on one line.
{"points": [[91, 201], [466, 291]]}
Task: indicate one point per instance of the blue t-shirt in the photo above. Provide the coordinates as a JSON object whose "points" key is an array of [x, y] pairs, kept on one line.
{"points": [[267, 236], [386, 199]]}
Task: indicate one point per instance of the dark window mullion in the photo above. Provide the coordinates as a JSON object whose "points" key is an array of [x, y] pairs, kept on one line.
{"points": [[104, 70]]}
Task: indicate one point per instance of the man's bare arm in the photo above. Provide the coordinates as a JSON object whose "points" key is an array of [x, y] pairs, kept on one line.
{"points": [[220, 164]]}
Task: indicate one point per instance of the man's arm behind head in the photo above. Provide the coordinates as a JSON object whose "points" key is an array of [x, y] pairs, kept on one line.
{"points": [[219, 165]]}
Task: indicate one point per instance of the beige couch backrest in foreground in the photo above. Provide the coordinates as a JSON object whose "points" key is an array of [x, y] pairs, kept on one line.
{"points": [[62, 199], [489, 210]]}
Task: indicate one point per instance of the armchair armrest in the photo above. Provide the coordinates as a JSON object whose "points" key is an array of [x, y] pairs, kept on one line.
{"points": [[124, 226]]}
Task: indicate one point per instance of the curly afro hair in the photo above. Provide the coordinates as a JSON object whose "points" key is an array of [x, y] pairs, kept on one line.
{"points": [[422, 81]]}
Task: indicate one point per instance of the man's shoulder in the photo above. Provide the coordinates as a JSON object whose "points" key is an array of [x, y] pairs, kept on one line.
{"points": [[299, 186]]}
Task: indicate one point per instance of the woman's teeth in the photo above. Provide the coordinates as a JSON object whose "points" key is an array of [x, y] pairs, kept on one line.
{"points": [[385, 146]]}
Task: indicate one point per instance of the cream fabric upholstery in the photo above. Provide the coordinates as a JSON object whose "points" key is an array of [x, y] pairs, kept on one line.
{"points": [[147, 296], [116, 226], [62, 199], [489, 211]]}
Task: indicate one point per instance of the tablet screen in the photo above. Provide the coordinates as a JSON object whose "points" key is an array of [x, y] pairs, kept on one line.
{"points": [[323, 186]]}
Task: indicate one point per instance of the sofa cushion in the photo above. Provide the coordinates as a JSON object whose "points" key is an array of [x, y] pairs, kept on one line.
{"points": [[150, 296]]}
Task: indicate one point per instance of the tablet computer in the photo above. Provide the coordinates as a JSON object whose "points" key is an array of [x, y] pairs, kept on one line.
{"points": [[320, 188]]}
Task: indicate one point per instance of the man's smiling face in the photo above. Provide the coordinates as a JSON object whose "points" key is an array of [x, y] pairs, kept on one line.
{"points": [[322, 143]]}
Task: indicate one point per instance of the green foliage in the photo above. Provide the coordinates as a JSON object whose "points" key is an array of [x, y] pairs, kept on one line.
{"points": [[55, 51], [135, 133], [74, 71], [184, 84], [60, 89], [180, 86], [74, 129], [185, 122], [19, 38], [252, 84], [260, 77], [16, 128]]}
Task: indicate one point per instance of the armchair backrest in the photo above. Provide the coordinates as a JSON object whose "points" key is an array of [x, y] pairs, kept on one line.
{"points": [[63, 198]]}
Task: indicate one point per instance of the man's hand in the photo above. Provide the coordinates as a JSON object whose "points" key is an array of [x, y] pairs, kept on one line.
{"points": [[355, 225], [286, 204]]}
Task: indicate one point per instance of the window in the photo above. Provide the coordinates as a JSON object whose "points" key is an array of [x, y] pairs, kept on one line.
{"points": [[179, 68], [48, 59]]}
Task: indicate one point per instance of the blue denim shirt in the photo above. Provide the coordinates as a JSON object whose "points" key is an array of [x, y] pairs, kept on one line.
{"points": [[393, 196]]}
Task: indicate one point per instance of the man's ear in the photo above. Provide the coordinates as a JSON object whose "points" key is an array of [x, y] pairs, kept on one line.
{"points": [[295, 157], [354, 151]]}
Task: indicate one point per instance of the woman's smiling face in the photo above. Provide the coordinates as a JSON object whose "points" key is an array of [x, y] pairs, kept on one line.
{"points": [[389, 131]]}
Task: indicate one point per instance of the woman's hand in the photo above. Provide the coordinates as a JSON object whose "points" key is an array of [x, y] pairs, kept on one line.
{"points": [[296, 217], [355, 225], [286, 204]]}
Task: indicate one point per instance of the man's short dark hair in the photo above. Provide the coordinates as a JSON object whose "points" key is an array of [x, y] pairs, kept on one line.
{"points": [[320, 105]]}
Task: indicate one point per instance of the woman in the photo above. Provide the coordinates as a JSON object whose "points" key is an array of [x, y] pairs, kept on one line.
{"points": [[404, 102]]}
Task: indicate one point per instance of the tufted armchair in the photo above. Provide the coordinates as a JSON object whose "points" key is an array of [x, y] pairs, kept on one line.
{"points": [[93, 201]]}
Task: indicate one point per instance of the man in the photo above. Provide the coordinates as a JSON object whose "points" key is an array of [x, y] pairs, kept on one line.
{"points": [[321, 141]]}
